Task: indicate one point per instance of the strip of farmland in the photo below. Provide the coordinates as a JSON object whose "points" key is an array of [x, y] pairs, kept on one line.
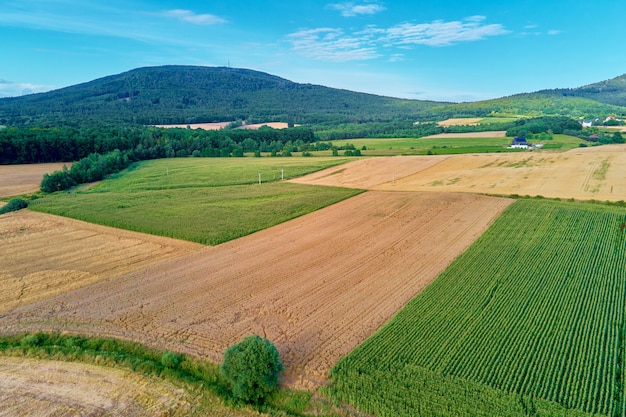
{"points": [[316, 286], [534, 309]]}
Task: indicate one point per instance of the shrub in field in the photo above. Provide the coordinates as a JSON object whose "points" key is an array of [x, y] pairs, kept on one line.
{"points": [[14, 205], [170, 359], [251, 368]]}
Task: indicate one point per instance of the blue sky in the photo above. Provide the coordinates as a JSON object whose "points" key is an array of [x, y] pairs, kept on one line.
{"points": [[437, 50]]}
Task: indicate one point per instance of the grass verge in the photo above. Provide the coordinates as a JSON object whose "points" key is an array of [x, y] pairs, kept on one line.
{"points": [[198, 377]]}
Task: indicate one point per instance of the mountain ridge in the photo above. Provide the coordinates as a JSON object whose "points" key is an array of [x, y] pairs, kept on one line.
{"points": [[183, 94]]}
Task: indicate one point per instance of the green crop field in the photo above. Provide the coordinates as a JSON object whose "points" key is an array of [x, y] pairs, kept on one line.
{"points": [[530, 319], [447, 146], [204, 200]]}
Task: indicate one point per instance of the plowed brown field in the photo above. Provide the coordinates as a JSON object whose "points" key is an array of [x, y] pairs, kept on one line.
{"points": [[316, 286], [24, 179], [33, 387], [44, 255], [584, 173]]}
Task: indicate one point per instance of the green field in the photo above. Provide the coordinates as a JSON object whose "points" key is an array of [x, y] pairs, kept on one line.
{"points": [[530, 319], [204, 200], [447, 146]]}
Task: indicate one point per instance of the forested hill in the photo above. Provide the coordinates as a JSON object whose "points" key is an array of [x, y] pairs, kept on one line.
{"points": [[611, 91], [189, 94]]}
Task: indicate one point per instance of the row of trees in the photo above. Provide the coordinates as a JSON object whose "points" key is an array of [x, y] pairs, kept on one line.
{"points": [[58, 144], [554, 124]]}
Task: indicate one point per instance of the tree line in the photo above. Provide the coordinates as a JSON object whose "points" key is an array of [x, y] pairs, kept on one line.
{"points": [[71, 143]]}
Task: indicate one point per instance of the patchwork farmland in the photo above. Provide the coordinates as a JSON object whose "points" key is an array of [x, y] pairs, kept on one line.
{"points": [[316, 286], [528, 320]]}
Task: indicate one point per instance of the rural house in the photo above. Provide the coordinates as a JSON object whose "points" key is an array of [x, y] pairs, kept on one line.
{"points": [[520, 143]]}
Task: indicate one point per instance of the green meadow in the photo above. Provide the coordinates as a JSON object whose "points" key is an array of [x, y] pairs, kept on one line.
{"points": [[204, 200], [451, 145]]}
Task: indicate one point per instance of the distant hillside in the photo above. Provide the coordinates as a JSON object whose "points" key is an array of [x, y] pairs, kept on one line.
{"points": [[188, 94], [532, 105], [611, 91]]}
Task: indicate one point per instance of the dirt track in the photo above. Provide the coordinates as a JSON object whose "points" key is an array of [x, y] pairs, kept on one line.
{"points": [[24, 179], [316, 286], [49, 388], [45, 255]]}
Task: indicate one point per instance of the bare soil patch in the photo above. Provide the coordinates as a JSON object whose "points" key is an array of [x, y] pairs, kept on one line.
{"points": [[45, 255], [50, 388], [316, 286], [492, 134], [24, 179]]}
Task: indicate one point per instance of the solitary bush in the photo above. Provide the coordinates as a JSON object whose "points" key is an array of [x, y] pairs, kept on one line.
{"points": [[14, 205], [251, 369], [170, 359]]}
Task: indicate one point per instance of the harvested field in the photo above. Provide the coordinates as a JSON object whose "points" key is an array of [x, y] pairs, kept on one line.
{"points": [[370, 172], [205, 126], [465, 121], [50, 388], [221, 125], [24, 179], [493, 134], [316, 286], [583, 173], [45, 255]]}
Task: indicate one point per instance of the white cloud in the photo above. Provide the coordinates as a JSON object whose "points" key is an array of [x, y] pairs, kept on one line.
{"points": [[197, 19], [331, 44], [440, 33], [554, 32], [350, 9], [14, 89], [328, 44]]}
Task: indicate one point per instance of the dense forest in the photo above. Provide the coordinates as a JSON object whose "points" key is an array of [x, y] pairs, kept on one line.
{"points": [[187, 94], [611, 91], [37, 145]]}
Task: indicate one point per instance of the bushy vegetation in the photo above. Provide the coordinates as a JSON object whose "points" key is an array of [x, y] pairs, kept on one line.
{"points": [[92, 168], [14, 204], [201, 379], [552, 124], [530, 317], [251, 368]]}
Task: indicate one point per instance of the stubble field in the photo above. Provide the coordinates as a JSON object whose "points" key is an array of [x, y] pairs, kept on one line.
{"points": [[24, 179], [45, 255], [49, 388], [594, 173]]}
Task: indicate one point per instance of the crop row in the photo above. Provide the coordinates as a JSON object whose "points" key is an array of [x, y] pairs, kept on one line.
{"points": [[535, 308]]}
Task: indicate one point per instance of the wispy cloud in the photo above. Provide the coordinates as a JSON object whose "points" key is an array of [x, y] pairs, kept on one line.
{"points": [[328, 44], [14, 89], [191, 17], [349, 9], [554, 32], [440, 33], [335, 45]]}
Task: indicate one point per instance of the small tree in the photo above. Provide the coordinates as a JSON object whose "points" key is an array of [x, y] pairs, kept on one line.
{"points": [[251, 368]]}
